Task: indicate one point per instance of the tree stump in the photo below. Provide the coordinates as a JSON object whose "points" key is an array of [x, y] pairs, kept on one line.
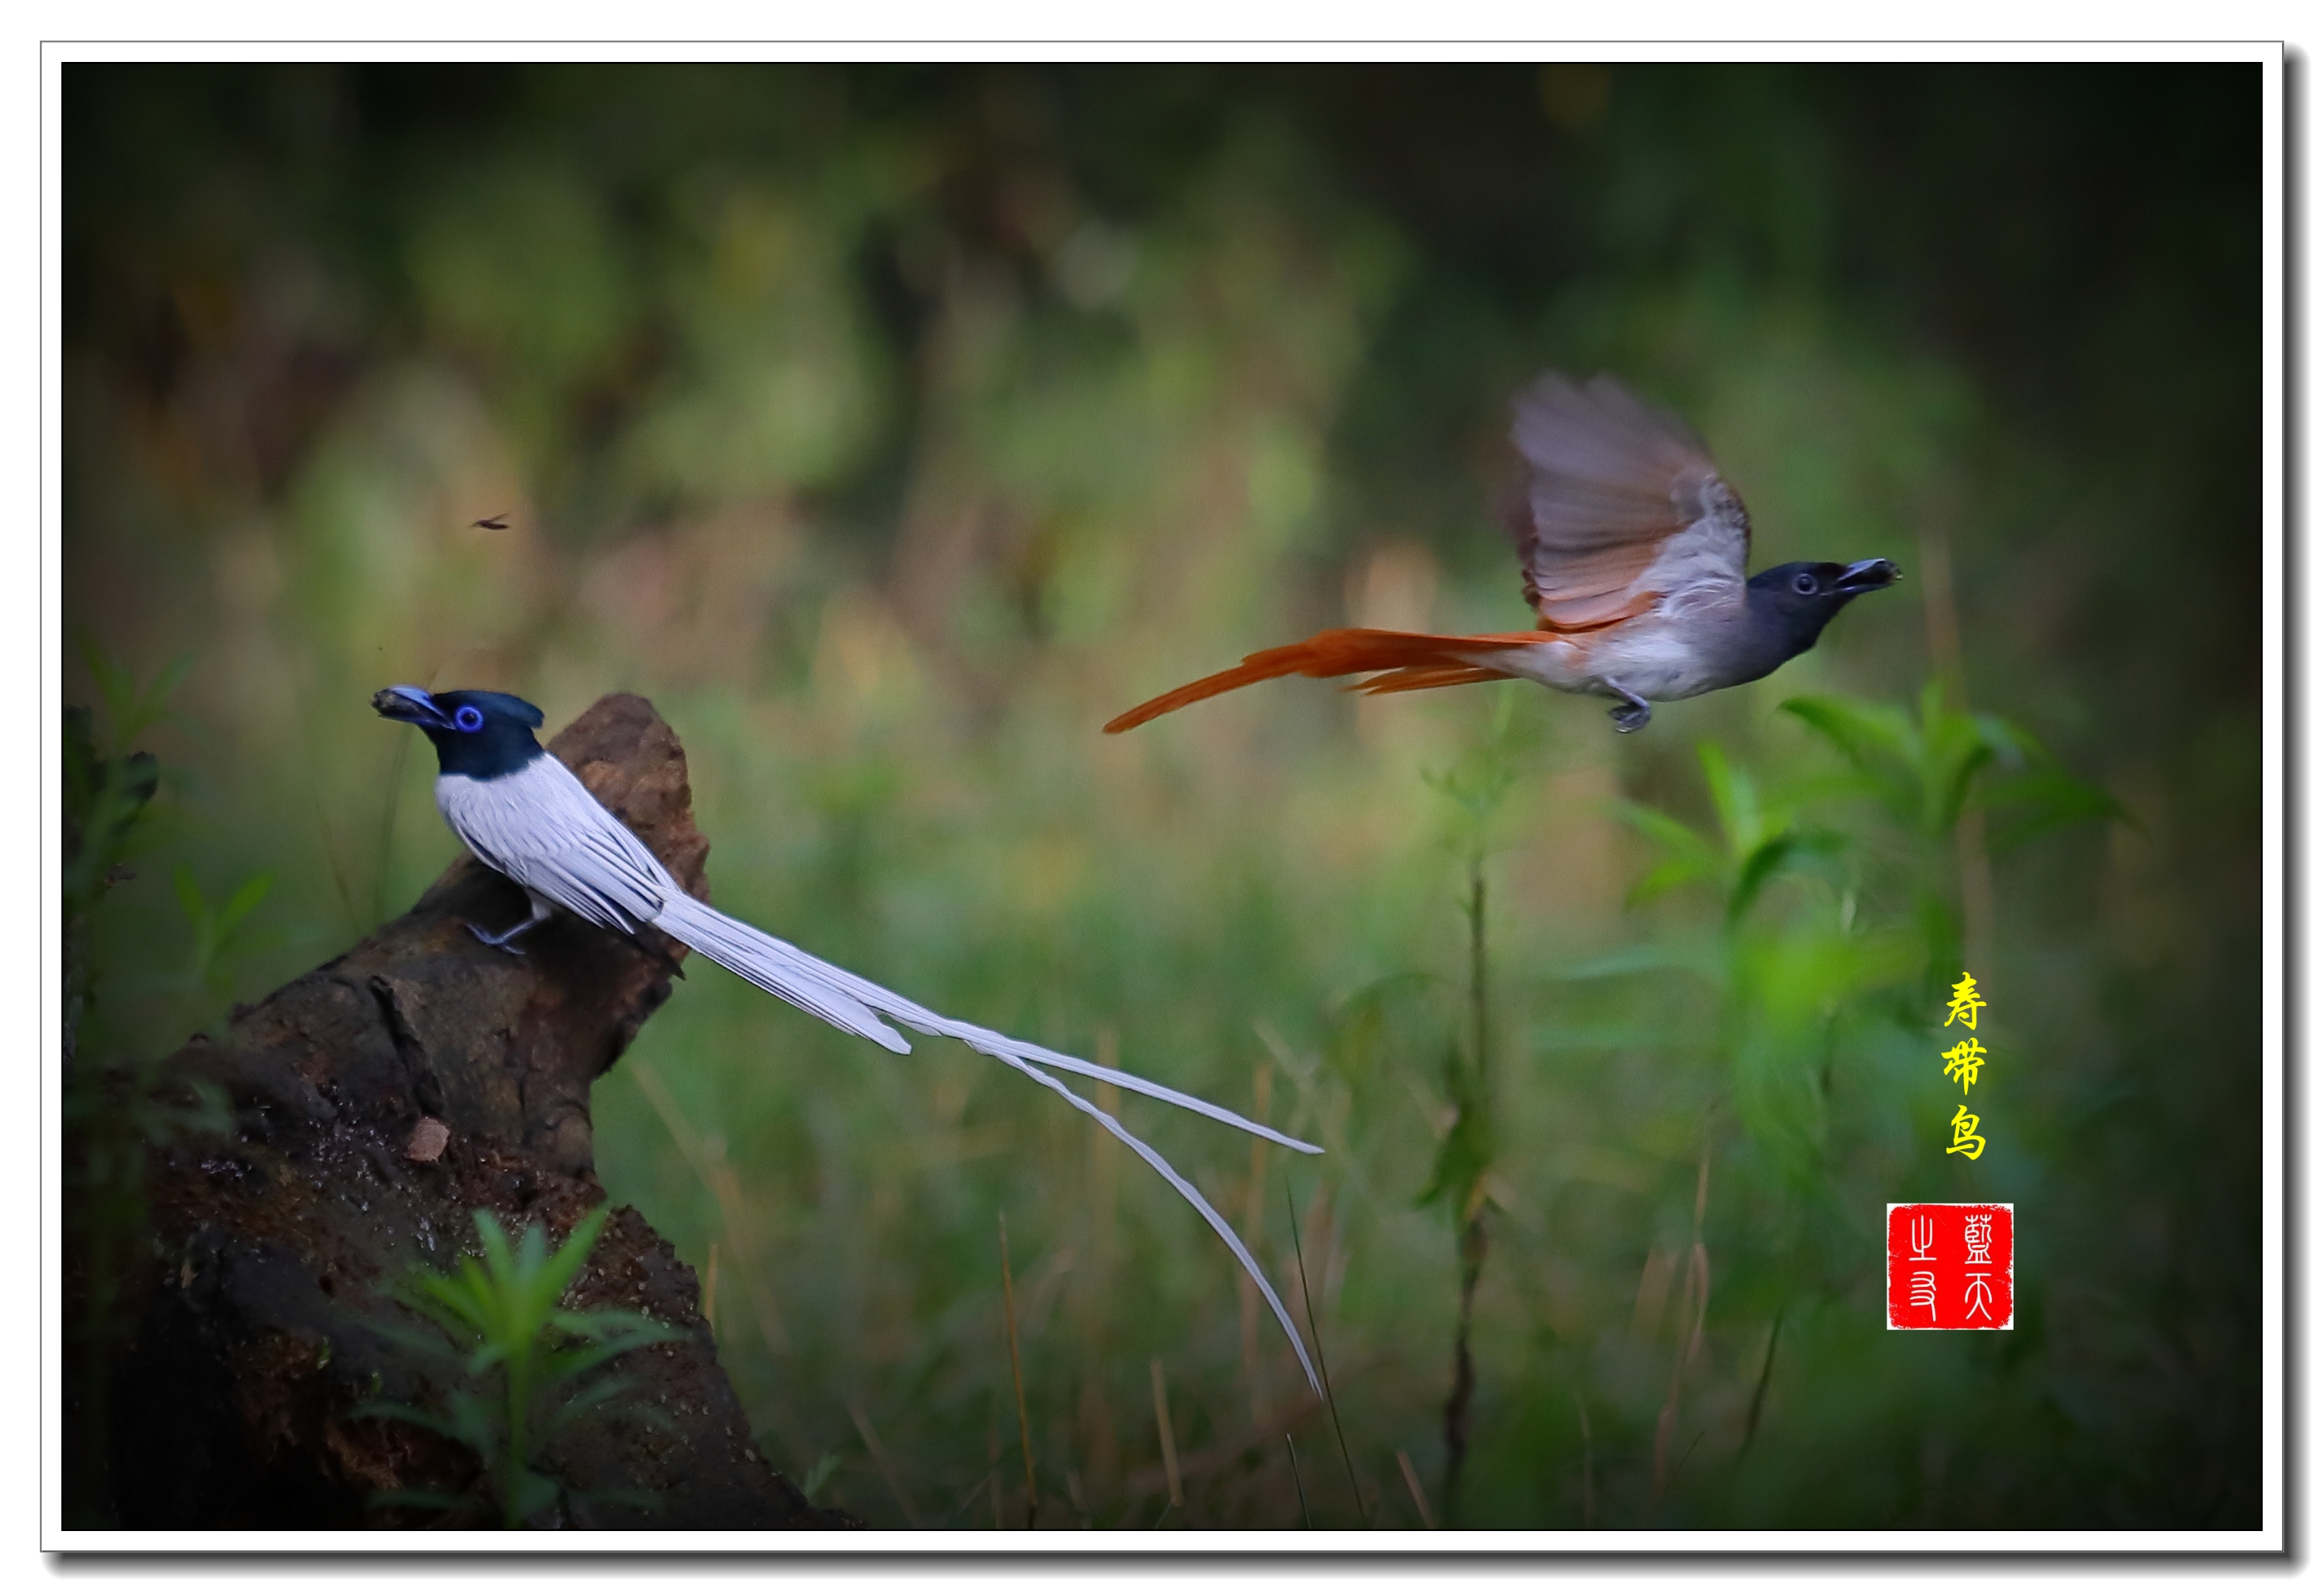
{"points": [[378, 1101]]}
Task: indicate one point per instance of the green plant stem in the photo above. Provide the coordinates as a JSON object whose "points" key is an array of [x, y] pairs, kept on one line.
{"points": [[515, 1461], [1465, 1365], [1016, 1377], [1323, 1367], [1759, 1389], [1478, 1003], [1471, 1209]]}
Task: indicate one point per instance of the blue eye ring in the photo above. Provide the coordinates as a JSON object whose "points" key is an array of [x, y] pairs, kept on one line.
{"points": [[469, 718], [1803, 583]]}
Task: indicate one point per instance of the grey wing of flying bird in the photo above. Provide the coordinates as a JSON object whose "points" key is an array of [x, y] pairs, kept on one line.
{"points": [[524, 814]]}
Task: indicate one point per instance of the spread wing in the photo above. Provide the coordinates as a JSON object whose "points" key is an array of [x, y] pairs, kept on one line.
{"points": [[1623, 506]]}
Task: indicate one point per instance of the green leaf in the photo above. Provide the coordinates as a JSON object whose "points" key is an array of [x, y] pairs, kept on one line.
{"points": [[1689, 854], [1926, 772], [582, 1402], [817, 1475], [130, 708], [189, 897], [1875, 738], [1679, 838], [565, 1364], [253, 891], [465, 1425], [1697, 958], [559, 1272], [1668, 876], [532, 1494], [499, 1265], [410, 1337], [1735, 797], [1461, 1158], [1764, 863], [2043, 800]]}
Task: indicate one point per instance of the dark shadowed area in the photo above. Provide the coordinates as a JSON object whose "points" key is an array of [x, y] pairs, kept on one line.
{"points": [[892, 428]]}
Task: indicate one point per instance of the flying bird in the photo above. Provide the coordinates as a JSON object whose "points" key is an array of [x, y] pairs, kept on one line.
{"points": [[526, 816], [1633, 550]]}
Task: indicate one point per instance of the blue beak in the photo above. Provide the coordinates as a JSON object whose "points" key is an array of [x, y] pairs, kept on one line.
{"points": [[409, 705]]}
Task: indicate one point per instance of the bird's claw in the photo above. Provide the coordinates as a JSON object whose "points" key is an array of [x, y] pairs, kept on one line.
{"points": [[498, 942], [1630, 716]]}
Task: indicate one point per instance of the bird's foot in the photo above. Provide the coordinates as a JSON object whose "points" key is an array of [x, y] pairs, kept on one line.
{"points": [[499, 942], [1632, 713]]}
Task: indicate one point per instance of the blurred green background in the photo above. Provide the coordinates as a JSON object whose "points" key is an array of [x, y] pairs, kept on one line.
{"points": [[892, 428]]}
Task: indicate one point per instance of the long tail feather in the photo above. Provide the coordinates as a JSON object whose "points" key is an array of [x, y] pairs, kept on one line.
{"points": [[1337, 652], [847, 1001], [759, 958], [1153, 1158], [805, 968], [991, 1043], [1422, 677]]}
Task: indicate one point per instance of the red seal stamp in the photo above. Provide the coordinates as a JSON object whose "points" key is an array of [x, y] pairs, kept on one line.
{"points": [[1952, 1265]]}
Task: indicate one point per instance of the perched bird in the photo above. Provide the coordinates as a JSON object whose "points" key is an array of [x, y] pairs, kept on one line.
{"points": [[526, 816], [1633, 550]]}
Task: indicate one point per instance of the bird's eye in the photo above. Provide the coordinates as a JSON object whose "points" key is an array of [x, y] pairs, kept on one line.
{"points": [[1803, 584], [469, 718]]}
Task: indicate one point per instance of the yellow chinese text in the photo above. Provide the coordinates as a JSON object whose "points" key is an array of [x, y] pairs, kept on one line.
{"points": [[1963, 1061], [1964, 1003], [1967, 1140]]}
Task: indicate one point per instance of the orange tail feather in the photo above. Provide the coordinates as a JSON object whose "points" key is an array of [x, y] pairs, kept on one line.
{"points": [[1419, 661], [1423, 677]]}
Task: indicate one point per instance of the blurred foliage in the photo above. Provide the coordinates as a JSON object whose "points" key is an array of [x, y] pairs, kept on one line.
{"points": [[114, 1108], [893, 428]]}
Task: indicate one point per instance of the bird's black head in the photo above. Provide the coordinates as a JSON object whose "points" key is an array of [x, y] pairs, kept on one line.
{"points": [[1799, 600], [477, 733]]}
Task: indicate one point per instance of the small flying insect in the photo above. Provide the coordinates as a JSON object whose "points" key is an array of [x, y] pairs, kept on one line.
{"points": [[491, 522]]}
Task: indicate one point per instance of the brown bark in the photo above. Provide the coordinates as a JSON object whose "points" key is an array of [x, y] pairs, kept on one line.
{"points": [[256, 1320]]}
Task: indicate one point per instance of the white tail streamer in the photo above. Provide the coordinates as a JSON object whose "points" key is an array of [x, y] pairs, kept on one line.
{"points": [[744, 951], [848, 1001]]}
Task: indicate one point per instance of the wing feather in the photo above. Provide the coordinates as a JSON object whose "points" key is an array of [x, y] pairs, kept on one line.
{"points": [[1615, 488]]}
